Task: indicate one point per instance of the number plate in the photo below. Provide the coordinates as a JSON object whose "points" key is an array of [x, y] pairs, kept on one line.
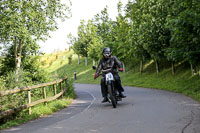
{"points": [[109, 76]]}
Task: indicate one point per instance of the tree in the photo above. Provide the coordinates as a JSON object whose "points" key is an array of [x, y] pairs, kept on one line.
{"points": [[77, 49], [136, 33], [88, 42], [74, 45], [28, 21], [94, 48], [183, 22], [121, 39], [152, 27], [83, 40], [104, 27]]}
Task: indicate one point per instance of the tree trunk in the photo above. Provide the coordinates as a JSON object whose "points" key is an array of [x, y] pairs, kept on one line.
{"points": [[15, 52], [192, 69], [94, 63], [124, 67], [173, 68], [78, 59], [141, 66], [199, 72], [85, 61], [157, 66], [18, 51]]}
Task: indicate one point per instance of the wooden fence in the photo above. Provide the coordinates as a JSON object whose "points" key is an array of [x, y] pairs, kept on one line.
{"points": [[30, 103]]}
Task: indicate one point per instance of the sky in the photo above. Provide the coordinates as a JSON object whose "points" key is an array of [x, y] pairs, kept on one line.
{"points": [[81, 9]]}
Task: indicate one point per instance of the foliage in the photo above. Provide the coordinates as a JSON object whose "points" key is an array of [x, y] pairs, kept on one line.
{"points": [[94, 43], [23, 23], [31, 66], [104, 26], [183, 22], [148, 29], [29, 19], [120, 29], [13, 101], [11, 83], [181, 82], [70, 59], [38, 111]]}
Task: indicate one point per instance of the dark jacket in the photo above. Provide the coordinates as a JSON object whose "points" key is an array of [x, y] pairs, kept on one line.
{"points": [[112, 62]]}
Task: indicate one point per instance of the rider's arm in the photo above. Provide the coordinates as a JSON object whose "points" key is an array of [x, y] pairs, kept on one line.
{"points": [[119, 64], [99, 68]]}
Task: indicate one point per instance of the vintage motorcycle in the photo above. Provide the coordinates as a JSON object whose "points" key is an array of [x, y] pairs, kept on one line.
{"points": [[113, 96]]}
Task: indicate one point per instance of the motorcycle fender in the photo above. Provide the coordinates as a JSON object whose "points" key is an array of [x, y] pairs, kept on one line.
{"points": [[109, 82]]}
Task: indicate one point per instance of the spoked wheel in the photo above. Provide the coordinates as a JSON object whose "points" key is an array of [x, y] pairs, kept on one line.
{"points": [[116, 100], [112, 98]]}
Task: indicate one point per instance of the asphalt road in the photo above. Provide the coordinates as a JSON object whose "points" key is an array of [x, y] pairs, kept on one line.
{"points": [[143, 111]]}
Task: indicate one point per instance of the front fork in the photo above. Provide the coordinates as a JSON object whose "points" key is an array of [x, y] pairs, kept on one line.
{"points": [[112, 89]]}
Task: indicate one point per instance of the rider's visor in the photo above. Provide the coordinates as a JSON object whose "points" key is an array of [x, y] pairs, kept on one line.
{"points": [[106, 54]]}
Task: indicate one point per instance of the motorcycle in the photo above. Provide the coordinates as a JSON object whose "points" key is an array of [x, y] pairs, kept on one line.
{"points": [[113, 96]]}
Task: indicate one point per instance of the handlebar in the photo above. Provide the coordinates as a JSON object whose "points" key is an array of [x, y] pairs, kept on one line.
{"points": [[103, 71]]}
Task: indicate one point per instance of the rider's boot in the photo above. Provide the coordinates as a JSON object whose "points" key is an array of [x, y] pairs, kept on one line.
{"points": [[121, 95], [105, 99]]}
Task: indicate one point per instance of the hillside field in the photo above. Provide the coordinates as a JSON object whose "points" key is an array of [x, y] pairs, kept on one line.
{"points": [[57, 64]]}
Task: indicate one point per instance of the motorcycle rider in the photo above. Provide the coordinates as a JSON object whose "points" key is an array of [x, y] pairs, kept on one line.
{"points": [[109, 62]]}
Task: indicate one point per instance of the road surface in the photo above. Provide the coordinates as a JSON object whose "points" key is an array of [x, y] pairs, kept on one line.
{"points": [[143, 111]]}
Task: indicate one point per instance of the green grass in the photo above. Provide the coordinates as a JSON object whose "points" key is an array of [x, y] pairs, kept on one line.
{"points": [[40, 110], [182, 82], [54, 61], [188, 85]]}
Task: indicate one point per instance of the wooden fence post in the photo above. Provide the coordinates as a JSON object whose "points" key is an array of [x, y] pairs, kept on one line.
{"points": [[54, 87], [44, 94], [29, 101], [61, 89]]}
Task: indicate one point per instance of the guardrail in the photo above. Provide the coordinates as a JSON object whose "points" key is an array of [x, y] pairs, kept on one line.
{"points": [[30, 103]]}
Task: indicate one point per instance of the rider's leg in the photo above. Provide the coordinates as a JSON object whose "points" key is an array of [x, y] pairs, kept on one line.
{"points": [[119, 85], [104, 90]]}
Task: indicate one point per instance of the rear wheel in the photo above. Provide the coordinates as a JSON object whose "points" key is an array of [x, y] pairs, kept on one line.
{"points": [[112, 98]]}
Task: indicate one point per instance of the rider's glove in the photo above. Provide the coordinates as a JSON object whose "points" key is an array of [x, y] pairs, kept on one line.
{"points": [[121, 69], [95, 75]]}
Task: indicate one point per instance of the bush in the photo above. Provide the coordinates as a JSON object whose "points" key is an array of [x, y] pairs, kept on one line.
{"points": [[70, 59], [70, 89]]}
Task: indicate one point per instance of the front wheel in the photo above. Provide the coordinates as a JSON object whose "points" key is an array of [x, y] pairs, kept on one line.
{"points": [[112, 98]]}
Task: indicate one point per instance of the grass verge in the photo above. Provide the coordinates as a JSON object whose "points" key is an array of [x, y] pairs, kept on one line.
{"points": [[42, 109], [38, 111], [182, 82]]}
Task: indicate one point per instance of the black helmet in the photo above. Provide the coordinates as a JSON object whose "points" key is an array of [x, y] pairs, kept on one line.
{"points": [[106, 52]]}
